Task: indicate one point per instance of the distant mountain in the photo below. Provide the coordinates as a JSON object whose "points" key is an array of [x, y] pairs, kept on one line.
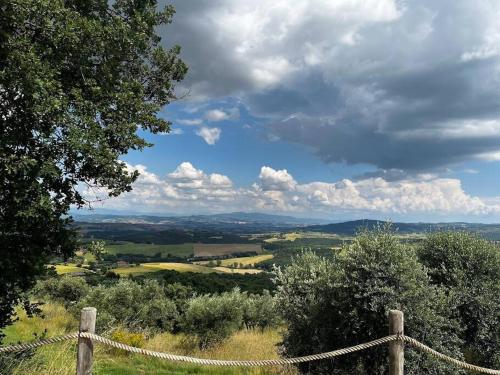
{"points": [[251, 222], [235, 222], [255, 217]]}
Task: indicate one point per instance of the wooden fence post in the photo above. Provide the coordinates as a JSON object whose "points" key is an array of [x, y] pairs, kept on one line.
{"points": [[85, 346], [396, 348]]}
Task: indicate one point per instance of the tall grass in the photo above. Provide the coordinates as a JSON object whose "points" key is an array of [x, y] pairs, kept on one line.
{"points": [[60, 359]]}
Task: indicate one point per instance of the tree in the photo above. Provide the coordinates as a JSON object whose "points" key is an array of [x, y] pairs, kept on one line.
{"points": [[97, 249], [332, 304], [78, 78], [213, 318], [468, 268]]}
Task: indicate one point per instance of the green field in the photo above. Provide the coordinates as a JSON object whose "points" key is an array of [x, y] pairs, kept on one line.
{"points": [[181, 250], [243, 260], [60, 358], [129, 248], [63, 269], [179, 267], [204, 249], [241, 271], [154, 267]]}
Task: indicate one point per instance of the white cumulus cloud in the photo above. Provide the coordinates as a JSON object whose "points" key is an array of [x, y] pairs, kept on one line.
{"points": [[188, 189], [210, 135], [272, 179]]}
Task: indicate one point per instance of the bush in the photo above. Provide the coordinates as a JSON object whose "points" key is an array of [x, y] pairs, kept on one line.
{"points": [[259, 311], [468, 267], [66, 290], [132, 305], [212, 319], [334, 304], [129, 338], [159, 313]]}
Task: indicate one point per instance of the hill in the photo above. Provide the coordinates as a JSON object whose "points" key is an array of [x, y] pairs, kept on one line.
{"points": [[350, 228]]}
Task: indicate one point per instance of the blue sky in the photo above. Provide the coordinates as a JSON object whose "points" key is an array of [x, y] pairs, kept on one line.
{"points": [[341, 110]]}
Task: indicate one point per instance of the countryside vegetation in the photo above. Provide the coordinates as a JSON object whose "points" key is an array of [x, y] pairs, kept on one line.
{"points": [[313, 304], [77, 81]]}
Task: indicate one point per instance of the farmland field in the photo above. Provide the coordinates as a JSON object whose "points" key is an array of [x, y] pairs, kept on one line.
{"points": [[154, 267], [150, 250], [201, 249], [241, 271], [63, 269], [179, 267], [243, 260]]}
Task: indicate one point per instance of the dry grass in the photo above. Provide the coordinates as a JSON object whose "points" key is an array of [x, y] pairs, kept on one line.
{"points": [[55, 321], [242, 271], [154, 267], [59, 359], [179, 267], [133, 270], [202, 249], [246, 261], [63, 269]]}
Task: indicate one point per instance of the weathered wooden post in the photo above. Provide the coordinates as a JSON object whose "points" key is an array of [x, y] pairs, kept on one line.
{"points": [[396, 348], [85, 346]]}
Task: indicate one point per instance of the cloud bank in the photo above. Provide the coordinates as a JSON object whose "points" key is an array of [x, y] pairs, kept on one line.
{"points": [[191, 190], [402, 85]]}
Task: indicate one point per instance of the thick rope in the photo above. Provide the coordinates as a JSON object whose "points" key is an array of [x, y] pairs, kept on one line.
{"points": [[263, 362], [36, 344], [259, 362], [444, 357]]}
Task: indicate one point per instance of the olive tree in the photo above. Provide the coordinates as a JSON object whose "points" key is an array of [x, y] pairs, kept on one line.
{"points": [[332, 304], [468, 268]]}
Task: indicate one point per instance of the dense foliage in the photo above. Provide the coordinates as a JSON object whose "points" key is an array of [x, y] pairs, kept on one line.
{"points": [[208, 283], [151, 306], [334, 304], [77, 80], [467, 267]]}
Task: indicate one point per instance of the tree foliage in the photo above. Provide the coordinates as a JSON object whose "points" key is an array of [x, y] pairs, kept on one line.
{"points": [[332, 304], [127, 303], [78, 78], [468, 268]]}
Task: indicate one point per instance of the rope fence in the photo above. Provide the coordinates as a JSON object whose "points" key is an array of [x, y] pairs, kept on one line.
{"points": [[398, 338]]}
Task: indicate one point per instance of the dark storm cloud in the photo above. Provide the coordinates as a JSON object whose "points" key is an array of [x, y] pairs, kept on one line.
{"points": [[408, 86]]}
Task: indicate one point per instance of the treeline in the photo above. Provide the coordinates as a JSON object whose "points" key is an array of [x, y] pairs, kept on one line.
{"points": [[207, 283], [153, 233]]}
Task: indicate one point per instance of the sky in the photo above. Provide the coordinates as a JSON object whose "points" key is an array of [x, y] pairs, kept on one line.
{"points": [[342, 109]]}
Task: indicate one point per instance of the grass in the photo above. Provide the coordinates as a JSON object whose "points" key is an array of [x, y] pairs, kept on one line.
{"points": [[246, 261], [292, 236], [180, 250], [179, 267], [63, 269], [238, 270], [203, 249], [59, 359], [154, 267], [132, 270]]}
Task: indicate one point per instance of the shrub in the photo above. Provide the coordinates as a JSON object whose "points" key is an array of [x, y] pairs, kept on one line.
{"points": [[468, 267], [334, 304], [259, 311], [131, 304], [212, 319], [129, 338], [159, 313], [66, 290]]}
